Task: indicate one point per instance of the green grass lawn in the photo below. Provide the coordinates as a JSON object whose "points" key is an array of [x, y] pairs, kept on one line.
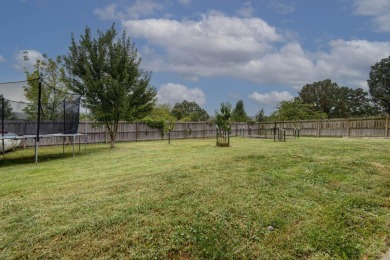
{"points": [[308, 199]]}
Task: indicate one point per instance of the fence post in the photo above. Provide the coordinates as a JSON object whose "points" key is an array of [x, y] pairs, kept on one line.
{"points": [[136, 131], [105, 134], [387, 127], [319, 128], [348, 128]]}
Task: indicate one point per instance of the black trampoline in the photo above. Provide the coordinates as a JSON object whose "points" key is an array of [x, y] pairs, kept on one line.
{"points": [[34, 109]]}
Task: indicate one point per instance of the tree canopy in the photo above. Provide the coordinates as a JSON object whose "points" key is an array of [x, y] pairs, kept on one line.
{"points": [[379, 83], [161, 118], [52, 94], [223, 117], [296, 110], [107, 71], [321, 95], [337, 102], [8, 114], [260, 116], [239, 113], [189, 111]]}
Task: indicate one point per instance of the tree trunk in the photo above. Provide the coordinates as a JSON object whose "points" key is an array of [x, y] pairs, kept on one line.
{"points": [[112, 129], [112, 142]]}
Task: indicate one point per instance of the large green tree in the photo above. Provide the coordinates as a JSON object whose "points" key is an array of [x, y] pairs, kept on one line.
{"points": [[337, 102], [296, 110], [189, 111], [379, 83], [353, 103], [106, 70], [53, 90], [239, 113], [322, 95]]}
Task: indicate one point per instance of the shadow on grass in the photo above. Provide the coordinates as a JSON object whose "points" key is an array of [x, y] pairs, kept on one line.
{"points": [[27, 156]]}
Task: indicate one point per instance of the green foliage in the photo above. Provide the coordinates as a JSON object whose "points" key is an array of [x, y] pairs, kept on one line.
{"points": [[222, 120], [223, 117], [354, 103], [155, 123], [8, 114], [379, 83], [189, 112], [337, 102], [86, 117], [162, 111], [260, 116], [107, 71], [160, 118], [321, 95], [295, 110], [52, 96], [239, 113]]}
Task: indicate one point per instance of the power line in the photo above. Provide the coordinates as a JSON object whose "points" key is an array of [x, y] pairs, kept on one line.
{"points": [[20, 81]]}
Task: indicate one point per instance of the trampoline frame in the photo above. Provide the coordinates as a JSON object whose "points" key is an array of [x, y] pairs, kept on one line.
{"points": [[37, 136], [36, 141]]}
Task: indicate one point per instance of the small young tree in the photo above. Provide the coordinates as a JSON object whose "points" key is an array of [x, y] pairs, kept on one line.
{"points": [[222, 120], [107, 72]]}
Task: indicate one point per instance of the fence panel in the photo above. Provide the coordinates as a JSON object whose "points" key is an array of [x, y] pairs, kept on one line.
{"points": [[97, 133]]}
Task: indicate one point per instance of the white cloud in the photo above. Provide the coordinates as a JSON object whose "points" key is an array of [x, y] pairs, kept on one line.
{"points": [[174, 93], [250, 49], [350, 61], [271, 98], [22, 63], [137, 10], [185, 2], [378, 9], [282, 8], [108, 13], [209, 46], [2, 59], [246, 11], [143, 8]]}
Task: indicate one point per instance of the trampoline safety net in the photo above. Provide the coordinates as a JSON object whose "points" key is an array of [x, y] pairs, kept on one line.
{"points": [[58, 114]]}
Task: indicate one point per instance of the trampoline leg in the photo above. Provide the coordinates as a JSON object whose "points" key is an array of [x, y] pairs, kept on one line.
{"points": [[36, 151], [73, 145], [2, 141]]}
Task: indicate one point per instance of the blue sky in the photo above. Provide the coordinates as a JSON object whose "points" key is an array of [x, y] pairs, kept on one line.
{"points": [[213, 51]]}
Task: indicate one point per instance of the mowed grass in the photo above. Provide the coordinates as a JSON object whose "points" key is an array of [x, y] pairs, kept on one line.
{"points": [[308, 199]]}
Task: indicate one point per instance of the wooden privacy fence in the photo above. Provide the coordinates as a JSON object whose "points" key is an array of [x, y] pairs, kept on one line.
{"points": [[142, 132], [362, 127], [359, 127]]}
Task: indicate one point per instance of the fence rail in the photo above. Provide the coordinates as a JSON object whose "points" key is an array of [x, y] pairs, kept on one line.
{"points": [[97, 133]]}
